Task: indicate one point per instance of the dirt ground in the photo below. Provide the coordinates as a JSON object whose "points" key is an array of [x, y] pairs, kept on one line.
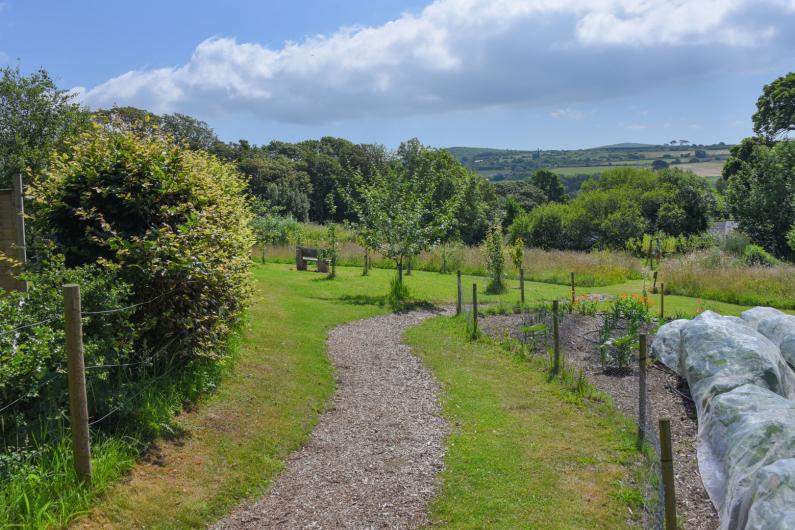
{"points": [[668, 398]]}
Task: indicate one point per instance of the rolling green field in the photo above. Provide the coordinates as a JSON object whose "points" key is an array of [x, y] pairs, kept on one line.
{"points": [[511, 164]]}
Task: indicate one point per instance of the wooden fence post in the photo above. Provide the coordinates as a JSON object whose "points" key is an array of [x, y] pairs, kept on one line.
{"points": [[521, 285], [667, 465], [555, 338], [662, 301], [642, 352], [572, 289], [474, 310], [78, 403], [460, 301]]}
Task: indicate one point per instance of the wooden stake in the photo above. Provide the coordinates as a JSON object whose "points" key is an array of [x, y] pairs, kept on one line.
{"points": [[78, 403], [572, 289], [642, 352], [521, 285], [662, 301], [555, 338], [460, 301], [667, 465], [474, 310]]}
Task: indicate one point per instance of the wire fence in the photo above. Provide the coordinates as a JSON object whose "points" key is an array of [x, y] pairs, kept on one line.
{"points": [[533, 326], [96, 376]]}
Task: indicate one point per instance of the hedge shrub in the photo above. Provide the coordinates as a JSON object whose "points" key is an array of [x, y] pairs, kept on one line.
{"points": [[174, 223]]}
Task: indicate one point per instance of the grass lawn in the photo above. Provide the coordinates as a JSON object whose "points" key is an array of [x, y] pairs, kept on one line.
{"points": [[524, 452], [237, 439]]}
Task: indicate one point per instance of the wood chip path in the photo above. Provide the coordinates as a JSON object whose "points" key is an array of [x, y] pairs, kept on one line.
{"points": [[372, 459]]}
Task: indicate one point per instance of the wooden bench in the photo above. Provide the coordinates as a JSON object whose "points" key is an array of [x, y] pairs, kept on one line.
{"points": [[305, 255]]}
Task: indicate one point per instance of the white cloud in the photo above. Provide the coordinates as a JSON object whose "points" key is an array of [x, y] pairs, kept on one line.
{"points": [[569, 113], [465, 54]]}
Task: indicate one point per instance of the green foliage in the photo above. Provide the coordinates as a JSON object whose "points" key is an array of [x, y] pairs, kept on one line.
{"points": [[663, 245], [756, 255], [625, 313], [173, 222], [550, 184], [271, 228], [36, 117], [408, 208], [760, 193], [495, 259], [516, 251], [32, 358], [623, 203], [775, 108], [398, 294]]}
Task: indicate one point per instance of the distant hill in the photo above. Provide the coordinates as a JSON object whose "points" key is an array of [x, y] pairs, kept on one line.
{"points": [[626, 145], [576, 165]]}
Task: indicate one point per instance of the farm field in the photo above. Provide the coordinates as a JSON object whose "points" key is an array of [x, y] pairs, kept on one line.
{"points": [[236, 442]]}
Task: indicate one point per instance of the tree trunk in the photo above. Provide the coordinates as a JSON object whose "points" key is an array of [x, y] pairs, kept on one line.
{"points": [[400, 271]]}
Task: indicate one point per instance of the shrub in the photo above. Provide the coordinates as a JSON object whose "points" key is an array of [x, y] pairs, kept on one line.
{"points": [[33, 384], [398, 294], [756, 255], [495, 259], [172, 222]]}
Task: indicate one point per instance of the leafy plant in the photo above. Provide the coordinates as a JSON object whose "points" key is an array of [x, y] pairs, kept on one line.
{"points": [[173, 223], [629, 313], [495, 259], [516, 251]]}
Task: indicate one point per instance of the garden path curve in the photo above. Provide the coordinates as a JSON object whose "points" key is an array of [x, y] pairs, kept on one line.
{"points": [[372, 459]]}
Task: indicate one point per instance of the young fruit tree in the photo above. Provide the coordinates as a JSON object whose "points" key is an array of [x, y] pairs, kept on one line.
{"points": [[495, 259], [399, 217]]}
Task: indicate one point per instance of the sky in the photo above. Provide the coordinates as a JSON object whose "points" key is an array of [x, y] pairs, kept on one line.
{"points": [[520, 74]]}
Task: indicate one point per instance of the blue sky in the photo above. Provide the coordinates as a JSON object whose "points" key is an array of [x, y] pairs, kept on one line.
{"points": [[496, 73]]}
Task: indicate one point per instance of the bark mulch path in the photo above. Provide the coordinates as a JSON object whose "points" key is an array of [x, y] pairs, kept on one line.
{"points": [[372, 459], [666, 391]]}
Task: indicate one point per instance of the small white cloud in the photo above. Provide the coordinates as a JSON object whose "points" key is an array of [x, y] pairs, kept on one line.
{"points": [[467, 54], [568, 113], [635, 126]]}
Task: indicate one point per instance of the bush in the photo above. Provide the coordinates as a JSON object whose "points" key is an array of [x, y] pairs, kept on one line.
{"points": [[495, 259], [173, 223], [756, 255], [33, 384], [398, 294]]}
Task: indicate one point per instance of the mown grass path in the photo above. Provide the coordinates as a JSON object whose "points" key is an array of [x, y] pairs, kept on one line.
{"points": [[524, 451]]}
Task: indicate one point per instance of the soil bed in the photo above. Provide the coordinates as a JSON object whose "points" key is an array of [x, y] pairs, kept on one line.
{"points": [[668, 397]]}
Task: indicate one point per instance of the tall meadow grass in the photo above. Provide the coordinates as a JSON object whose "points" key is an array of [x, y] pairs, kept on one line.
{"points": [[715, 275], [591, 269]]}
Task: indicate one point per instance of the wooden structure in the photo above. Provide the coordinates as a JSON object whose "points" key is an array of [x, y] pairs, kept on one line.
{"points": [[13, 253], [306, 255]]}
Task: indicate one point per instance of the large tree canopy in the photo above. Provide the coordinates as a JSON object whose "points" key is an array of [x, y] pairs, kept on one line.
{"points": [[36, 117], [775, 108]]}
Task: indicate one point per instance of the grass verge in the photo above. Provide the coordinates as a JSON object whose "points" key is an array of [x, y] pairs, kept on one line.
{"points": [[524, 451]]}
